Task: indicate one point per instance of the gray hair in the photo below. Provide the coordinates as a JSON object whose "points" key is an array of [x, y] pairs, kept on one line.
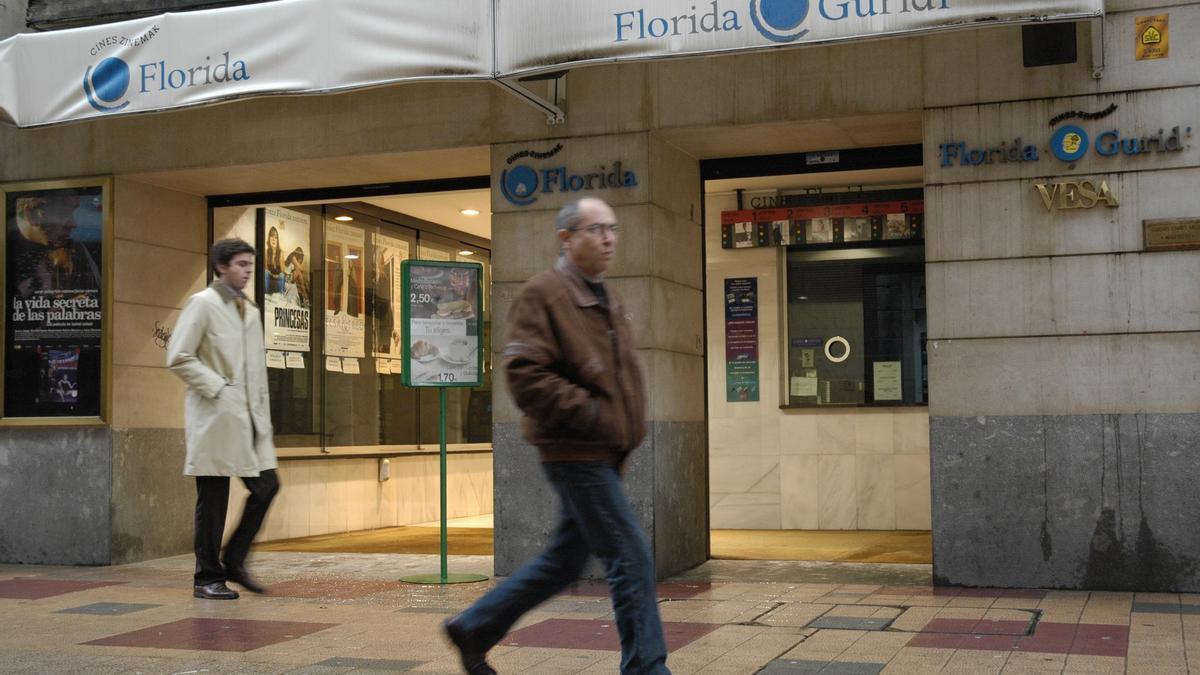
{"points": [[569, 216]]}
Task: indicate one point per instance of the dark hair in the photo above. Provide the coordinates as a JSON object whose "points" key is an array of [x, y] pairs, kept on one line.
{"points": [[224, 250]]}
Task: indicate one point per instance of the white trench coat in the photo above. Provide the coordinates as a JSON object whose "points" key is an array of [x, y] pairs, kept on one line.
{"points": [[222, 359]]}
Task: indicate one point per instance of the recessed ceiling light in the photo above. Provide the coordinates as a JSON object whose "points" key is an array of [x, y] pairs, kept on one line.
{"points": [[469, 212], [466, 252], [344, 219]]}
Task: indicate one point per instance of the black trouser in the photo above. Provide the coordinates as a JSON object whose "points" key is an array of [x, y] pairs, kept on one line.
{"points": [[212, 498]]}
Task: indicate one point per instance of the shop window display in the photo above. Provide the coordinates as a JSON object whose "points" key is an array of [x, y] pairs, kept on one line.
{"points": [[333, 330]]}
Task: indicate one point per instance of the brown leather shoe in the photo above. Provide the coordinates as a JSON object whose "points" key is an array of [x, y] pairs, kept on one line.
{"points": [[473, 660], [217, 590], [241, 577]]}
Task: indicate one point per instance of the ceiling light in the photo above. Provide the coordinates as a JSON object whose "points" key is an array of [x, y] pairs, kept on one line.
{"points": [[469, 212], [351, 256], [344, 219], [465, 252]]}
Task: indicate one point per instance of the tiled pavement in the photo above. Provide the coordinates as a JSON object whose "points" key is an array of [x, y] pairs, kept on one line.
{"points": [[340, 613]]}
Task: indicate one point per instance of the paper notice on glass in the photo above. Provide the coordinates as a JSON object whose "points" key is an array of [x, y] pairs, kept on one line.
{"points": [[382, 367], [804, 386], [887, 381], [333, 364], [294, 360], [397, 366], [350, 366], [807, 357], [275, 359]]}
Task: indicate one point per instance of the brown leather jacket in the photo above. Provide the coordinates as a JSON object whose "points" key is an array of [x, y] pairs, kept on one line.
{"points": [[573, 371]]}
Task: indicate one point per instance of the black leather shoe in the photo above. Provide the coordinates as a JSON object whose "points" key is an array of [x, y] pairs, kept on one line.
{"points": [[241, 577], [217, 590], [472, 659]]}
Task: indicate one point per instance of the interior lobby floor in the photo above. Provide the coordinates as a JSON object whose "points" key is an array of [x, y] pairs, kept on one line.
{"points": [[348, 613], [473, 536]]}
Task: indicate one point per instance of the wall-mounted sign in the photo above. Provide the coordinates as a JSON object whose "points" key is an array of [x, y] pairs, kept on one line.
{"points": [[1068, 143], [521, 181], [1172, 234], [1083, 194], [443, 342], [741, 339], [1153, 37]]}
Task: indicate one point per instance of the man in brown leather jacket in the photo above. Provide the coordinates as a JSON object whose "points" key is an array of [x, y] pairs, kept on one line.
{"points": [[572, 370]]}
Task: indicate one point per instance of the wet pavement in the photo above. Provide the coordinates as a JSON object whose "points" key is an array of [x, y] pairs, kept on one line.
{"points": [[342, 613]]}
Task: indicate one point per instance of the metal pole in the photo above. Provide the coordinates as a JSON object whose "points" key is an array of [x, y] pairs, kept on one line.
{"points": [[442, 439]]}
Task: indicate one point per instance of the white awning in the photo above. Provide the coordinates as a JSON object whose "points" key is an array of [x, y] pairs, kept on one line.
{"points": [[319, 46], [286, 47], [544, 35]]}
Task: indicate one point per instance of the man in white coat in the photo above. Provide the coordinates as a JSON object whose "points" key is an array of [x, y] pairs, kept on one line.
{"points": [[217, 350]]}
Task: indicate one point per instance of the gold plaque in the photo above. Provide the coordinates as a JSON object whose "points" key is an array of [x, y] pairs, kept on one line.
{"points": [[1173, 234], [1152, 37]]}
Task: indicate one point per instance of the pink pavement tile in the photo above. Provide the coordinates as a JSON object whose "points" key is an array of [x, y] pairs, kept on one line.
{"points": [[334, 589], [36, 589], [667, 590], [219, 635], [599, 634]]}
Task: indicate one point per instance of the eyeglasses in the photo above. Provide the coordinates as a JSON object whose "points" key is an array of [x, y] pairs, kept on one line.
{"points": [[597, 228]]}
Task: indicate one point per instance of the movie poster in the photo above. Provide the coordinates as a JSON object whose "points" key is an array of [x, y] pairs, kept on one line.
{"points": [[53, 303], [388, 293], [286, 283], [345, 304]]}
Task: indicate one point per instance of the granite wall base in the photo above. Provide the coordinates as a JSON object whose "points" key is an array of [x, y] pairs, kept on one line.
{"points": [[1101, 502], [55, 491], [666, 480], [152, 501]]}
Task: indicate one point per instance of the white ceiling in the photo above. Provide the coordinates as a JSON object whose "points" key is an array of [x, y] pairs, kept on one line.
{"points": [[444, 208]]}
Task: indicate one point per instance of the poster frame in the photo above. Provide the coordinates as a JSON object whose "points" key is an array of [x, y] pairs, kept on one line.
{"points": [[105, 183], [406, 319]]}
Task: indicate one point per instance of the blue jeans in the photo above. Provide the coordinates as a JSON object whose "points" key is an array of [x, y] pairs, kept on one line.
{"points": [[597, 518]]}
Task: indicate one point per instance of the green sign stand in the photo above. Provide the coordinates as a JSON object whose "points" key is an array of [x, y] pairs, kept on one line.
{"points": [[443, 327]]}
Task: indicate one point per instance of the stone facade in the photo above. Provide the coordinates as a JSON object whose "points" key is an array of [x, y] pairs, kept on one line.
{"points": [[1052, 334]]}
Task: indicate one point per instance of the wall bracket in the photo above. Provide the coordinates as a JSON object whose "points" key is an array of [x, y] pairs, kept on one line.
{"points": [[550, 104]]}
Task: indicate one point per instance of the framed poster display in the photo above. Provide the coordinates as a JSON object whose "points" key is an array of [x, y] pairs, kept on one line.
{"points": [[287, 299], [443, 336], [56, 253]]}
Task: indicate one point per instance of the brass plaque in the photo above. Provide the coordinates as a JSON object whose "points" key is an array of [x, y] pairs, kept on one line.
{"points": [[1172, 234], [1153, 37]]}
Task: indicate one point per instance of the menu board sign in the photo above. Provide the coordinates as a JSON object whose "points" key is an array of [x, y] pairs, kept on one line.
{"points": [[443, 329]]}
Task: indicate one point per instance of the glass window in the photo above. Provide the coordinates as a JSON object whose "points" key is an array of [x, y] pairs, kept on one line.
{"points": [[856, 326], [329, 287]]}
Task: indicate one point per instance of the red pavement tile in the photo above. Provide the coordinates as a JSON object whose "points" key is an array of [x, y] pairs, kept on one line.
{"points": [[667, 590], [999, 627], [336, 589], [963, 626], [36, 589], [218, 635], [938, 640], [598, 634]]}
